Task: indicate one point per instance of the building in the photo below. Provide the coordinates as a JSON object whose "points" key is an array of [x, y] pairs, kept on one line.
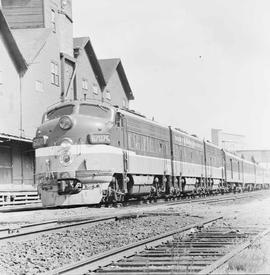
{"points": [[42, 64], [117, 90], [90, 81], [30, 32], [43, 31], [16, 154], [228, 141], [101, 80]]}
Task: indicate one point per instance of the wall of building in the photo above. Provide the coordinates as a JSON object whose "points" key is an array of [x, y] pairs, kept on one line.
{"points": [[85, 71], [16, 165], [116, 91], [9, 93], [34, 100], [22, 14], [64, 25], [22, 163]]}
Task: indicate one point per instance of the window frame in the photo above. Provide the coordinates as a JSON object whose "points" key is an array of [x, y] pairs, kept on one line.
{"points": [[85, 88], [39, 86], [108, 95], [53, 20], [55, 74], [95, 89]]}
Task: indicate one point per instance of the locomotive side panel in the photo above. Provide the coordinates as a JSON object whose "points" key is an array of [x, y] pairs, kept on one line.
{"points": [[148, 147], [214, 164], [187, 155]]}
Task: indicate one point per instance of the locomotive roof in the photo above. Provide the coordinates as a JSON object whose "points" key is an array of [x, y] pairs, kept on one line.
{"points": [[140, 117], [76, 102], [230, 154]]}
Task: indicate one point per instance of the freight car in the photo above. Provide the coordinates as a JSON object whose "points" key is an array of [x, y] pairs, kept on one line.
{"points": [[88, 153]]}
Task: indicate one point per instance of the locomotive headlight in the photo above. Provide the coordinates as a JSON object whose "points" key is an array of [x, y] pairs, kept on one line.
{"points": [[66, 142], [65, 122]]}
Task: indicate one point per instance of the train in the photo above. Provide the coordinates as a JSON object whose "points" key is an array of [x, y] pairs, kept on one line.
{"points": [[90, 152]]}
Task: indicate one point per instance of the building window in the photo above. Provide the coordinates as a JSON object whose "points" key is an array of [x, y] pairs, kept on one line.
{"points": [[85, 85], [39, 86], [55, 73], [95, 89], [108, 95], [53, 24], [124, 103]]}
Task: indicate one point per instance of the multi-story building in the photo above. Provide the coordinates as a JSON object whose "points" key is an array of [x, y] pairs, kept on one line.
{"points": [[41, 64], [228, 141], [117, 86]]}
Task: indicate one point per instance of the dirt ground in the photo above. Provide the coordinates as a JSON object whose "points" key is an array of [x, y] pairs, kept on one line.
{"points": [[248, 212]]}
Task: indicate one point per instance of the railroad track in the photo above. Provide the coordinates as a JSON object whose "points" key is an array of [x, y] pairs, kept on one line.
{"points": [[15, 232], [200, 248], [31, 230], [174, 201]]}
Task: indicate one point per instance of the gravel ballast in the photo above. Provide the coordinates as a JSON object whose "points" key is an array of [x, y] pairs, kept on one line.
{"points": [[50, 251]]}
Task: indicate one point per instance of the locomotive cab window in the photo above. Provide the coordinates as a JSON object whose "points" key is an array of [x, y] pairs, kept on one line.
{"points": [[118, 119], [95, 111], [62, 111]]}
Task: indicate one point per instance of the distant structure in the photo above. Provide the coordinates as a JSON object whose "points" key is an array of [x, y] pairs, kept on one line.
{"points": [[228, 141], [261, 156]]}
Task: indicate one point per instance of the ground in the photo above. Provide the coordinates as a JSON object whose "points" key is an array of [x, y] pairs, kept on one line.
{"points": [[253, 212]]}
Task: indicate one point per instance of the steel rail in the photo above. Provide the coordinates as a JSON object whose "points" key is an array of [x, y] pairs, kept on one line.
{"points": [[161, 201], [217, 198], [94, 262], [8, 229], [15, 231], [68, 225]]}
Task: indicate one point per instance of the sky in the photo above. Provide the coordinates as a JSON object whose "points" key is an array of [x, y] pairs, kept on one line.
{"points": [[191, 64]]}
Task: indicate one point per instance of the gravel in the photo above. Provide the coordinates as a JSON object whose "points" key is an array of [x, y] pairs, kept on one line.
{"points": [[50, 251], [53, 250]]}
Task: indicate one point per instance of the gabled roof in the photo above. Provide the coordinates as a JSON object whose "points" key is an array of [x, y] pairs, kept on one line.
{"points": [[31, 41], [109, 66], [80, 43], [12, 46]]}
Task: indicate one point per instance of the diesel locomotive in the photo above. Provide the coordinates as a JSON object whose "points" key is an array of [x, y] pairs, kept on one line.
{"points": [[89, 152]]}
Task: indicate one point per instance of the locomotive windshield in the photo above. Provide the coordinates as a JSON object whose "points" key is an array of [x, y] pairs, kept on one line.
{"points": [[95, 111], [62, 111]]}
